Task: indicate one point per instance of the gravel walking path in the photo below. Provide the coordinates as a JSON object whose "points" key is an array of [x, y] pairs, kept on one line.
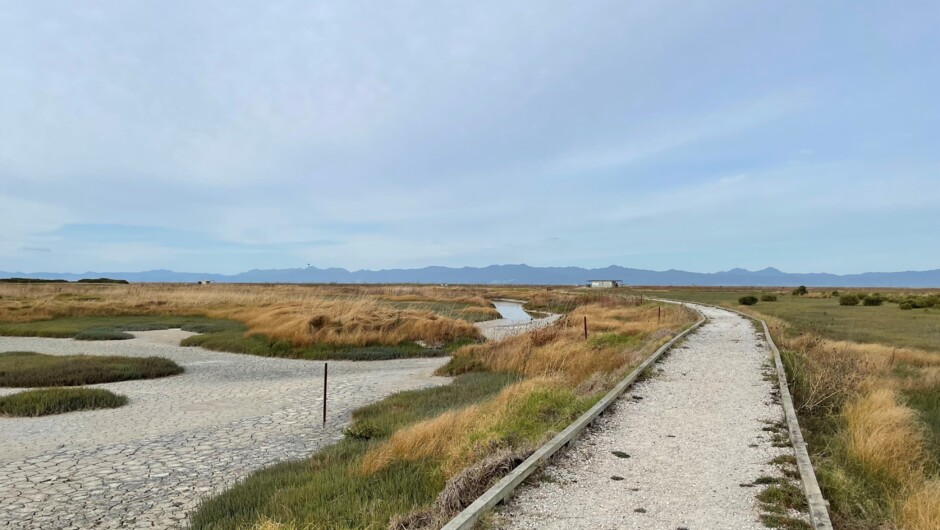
{"points": [[147, 464], [689, 442]]}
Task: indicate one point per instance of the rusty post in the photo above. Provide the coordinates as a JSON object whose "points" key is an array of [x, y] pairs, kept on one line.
{"points": [[585, 327], [659, 314], [325, 374]]}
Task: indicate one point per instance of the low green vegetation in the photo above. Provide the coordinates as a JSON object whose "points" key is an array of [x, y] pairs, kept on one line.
{"points": [[768, 298], [613, 340], [28, 369], [45, 401], [330, 489], [235, 341], [96, 327], [215, 334]]}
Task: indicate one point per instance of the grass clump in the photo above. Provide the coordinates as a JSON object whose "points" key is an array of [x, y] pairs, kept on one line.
{"points": [[768, 298], [45, 401], [29, 369]]}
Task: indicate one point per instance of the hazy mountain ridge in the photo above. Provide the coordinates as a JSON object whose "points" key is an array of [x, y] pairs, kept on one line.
{"points": [[522, 274]]}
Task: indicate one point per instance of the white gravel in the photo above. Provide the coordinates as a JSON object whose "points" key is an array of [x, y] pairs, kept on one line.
{"points": [[145, 465], [693, 432]]}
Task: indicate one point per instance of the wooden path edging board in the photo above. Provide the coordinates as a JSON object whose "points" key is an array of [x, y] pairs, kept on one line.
{"points": [[503, 489]]}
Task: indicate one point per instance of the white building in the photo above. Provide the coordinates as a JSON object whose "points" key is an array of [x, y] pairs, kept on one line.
{"points": [[603, 284]]}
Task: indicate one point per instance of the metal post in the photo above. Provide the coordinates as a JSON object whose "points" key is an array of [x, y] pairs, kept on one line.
{"points": [[659, 314], [325, 374], [585, 327]]}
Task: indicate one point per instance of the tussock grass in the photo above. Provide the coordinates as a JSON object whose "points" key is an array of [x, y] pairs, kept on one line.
{"points": [[522, 414], [45, 401], [29, 369], [883, 437]]}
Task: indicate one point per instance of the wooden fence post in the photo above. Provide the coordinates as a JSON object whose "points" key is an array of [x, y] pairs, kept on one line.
{"points": [[325, 376]]}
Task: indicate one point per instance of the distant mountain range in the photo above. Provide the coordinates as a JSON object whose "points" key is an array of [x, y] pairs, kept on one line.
{"points": [[522, 274]]}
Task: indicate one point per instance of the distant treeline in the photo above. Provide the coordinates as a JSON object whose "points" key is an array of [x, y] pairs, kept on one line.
{"points": [[83, 280]]}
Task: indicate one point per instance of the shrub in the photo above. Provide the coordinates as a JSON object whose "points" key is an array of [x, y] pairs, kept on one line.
{"points": [[45, 401], [872, 300], [768, 298], [800, 291], [747, 300], [835, 293], [906, 306], [848, 299]]}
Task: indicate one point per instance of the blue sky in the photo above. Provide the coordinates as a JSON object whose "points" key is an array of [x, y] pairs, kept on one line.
{"points": [[226, 136]]}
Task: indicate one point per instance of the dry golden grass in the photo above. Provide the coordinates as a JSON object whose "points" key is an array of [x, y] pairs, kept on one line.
{"points": [[621, 336], [857, 383], [356, 322], [921, 509], [883, 436], [303, 315], [456, 438]]}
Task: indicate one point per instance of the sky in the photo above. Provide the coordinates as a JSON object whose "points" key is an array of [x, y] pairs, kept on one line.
{"points": [[223, 136]]}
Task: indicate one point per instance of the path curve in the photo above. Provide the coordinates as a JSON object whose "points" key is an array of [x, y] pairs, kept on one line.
{"points": [[695, 433], [147, 464]]}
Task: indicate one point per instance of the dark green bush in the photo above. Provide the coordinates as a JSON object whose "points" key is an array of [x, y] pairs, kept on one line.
{"points": [[800, 291], [768, 298], [906, 306], [872, 300], [848, 299], [747, 300]]}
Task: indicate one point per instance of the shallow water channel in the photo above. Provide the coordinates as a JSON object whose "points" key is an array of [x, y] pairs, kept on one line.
{"points": [[510, 310]]}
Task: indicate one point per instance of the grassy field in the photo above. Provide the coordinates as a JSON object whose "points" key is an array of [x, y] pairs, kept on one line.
{"points": [[28, 369], [866, 382], [414, 459], [45, 401], [307, 322], [821, 314]]}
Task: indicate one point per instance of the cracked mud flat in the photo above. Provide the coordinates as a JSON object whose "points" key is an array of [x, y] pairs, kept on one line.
{"points": [[180, 438], [688, 438]]}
